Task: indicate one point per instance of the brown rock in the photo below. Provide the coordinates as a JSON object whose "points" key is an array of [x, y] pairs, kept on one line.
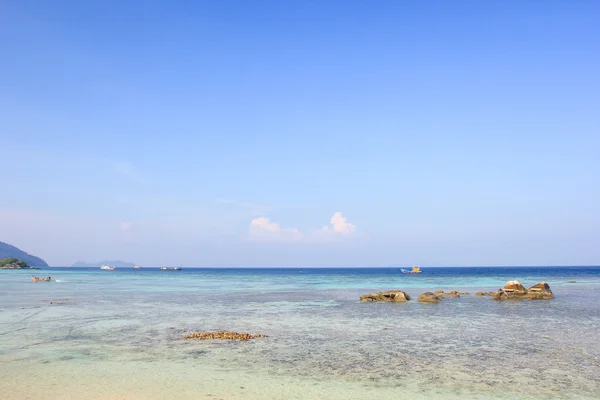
{"points": [[514, 289], [480, 294], [541, 291], [453, 293], [428, 297], [369, 297], [397, 295], [223, 335], [439, 292], [390, 295], [500, 295]]}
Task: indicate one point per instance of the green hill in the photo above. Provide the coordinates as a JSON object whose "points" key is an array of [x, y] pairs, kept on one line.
{"points": [[13, 263], [9, 251]]}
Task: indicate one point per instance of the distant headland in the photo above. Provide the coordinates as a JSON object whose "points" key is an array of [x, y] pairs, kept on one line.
{"points": [[114, 263], [13, 263], [8, 251]]}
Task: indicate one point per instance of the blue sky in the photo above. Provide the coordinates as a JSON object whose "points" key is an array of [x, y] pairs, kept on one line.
{"points": [[301, 132]]}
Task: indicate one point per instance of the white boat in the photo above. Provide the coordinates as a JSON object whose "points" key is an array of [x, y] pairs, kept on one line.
{"points": [[136, 267], [107, 267]]}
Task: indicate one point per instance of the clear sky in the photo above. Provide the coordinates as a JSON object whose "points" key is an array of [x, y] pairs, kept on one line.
{"points": [[311, 133]]}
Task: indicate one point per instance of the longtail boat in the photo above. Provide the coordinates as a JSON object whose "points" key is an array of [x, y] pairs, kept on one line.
{"points": [[38, 279]]}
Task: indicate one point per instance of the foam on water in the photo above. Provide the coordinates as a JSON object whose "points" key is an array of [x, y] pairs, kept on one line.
{"points": [[119, 335]]}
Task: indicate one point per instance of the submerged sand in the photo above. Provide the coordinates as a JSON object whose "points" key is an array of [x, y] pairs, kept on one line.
{"points": [[122, 339]]}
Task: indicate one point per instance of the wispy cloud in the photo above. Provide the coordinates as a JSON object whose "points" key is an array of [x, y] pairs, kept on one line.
{"points": [[252, 208], [128, 171]]}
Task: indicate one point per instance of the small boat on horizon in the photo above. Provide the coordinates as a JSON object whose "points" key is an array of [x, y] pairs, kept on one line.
{"points": [[107, 268], [136, 267], [171, 268], [38, 279], [415, 270]]}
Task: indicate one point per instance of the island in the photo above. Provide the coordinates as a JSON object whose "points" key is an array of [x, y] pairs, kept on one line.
{"points": [[10, 251], [14, 263]]}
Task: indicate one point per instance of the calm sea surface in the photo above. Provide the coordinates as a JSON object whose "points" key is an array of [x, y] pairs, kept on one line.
{"points": [[118, 335]]}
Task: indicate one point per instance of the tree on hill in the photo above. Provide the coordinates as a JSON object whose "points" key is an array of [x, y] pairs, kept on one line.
{"points": [[13, 263]]}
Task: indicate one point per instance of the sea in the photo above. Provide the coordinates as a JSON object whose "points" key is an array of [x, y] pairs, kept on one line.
{"points": [[95, 334]]}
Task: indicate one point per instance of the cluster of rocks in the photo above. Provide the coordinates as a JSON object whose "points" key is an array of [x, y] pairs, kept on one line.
{"points": [[390, 295], [453, 293], [399, 296], [512, 290], [222, 335]]}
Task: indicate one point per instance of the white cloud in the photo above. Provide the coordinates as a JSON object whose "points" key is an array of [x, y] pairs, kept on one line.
{"points": [[340, 225], [263, 228], [263, 223]]}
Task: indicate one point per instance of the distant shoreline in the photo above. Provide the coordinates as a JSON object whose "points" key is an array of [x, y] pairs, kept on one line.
{"points": [[350, 267]]}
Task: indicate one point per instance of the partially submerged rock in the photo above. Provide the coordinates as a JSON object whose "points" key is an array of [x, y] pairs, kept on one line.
{"points": [[541, 291], [61, 301], [428, 297], [480, 293], [452, 293], [222, 335], [390, 295], [500, 295], [514, 288]]}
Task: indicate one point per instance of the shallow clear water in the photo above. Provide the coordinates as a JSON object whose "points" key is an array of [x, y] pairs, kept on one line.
{"points": [[119, 333]]}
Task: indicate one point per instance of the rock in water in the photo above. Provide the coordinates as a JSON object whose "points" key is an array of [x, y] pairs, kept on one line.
{"points": [[541, 291], [390, 295], [514, 288], [428, 297], [222, 335], [500, 295]]}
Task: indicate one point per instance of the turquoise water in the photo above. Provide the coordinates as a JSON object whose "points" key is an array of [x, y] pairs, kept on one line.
{"points": [[118, 334]]}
